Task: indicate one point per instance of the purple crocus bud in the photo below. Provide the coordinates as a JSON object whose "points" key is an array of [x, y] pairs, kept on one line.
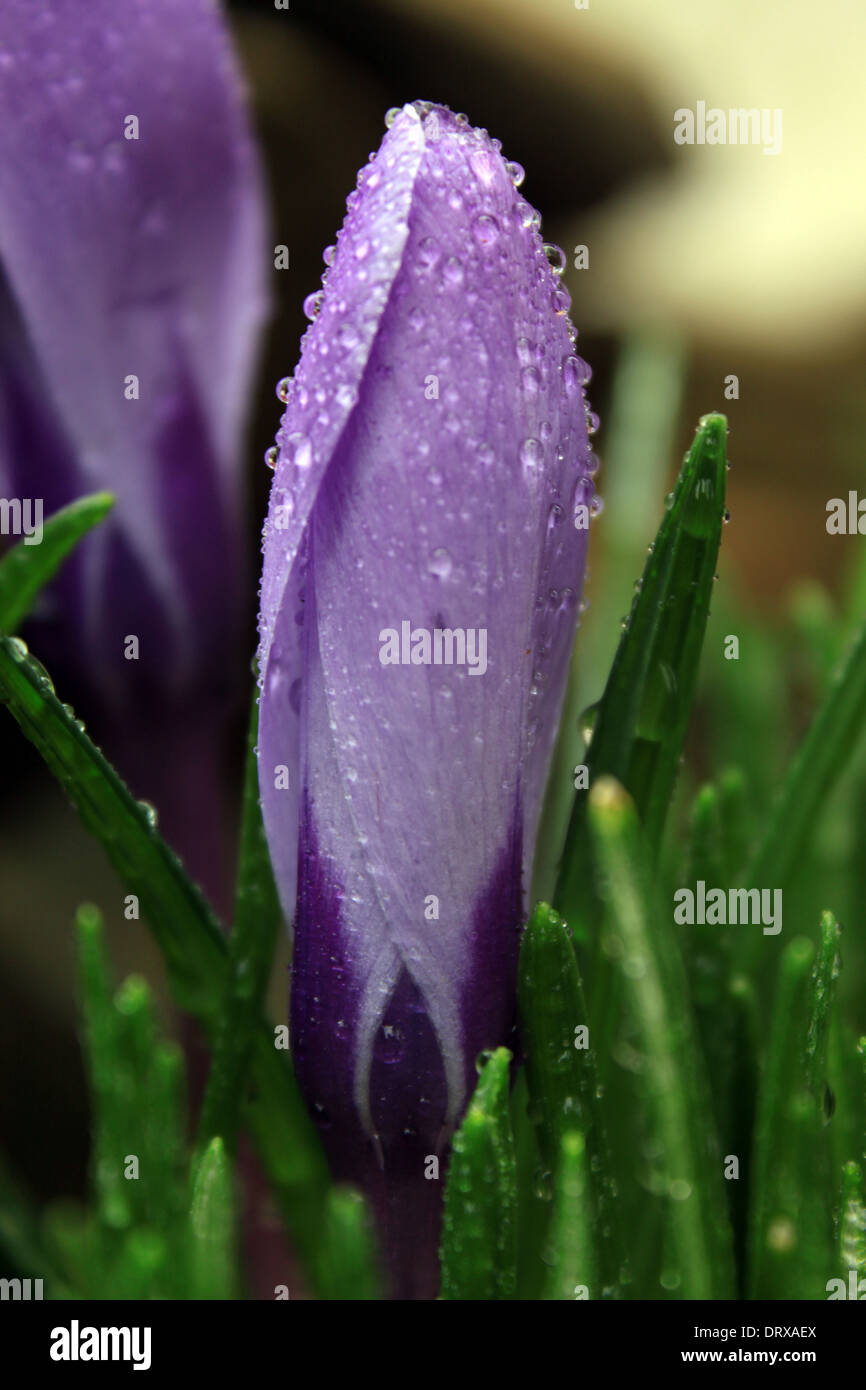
{"points": [[131, 295], [423, 559]]}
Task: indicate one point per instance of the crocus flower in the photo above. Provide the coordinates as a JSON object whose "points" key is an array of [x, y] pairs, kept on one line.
{"points": [[423, 559], [131, 294]]}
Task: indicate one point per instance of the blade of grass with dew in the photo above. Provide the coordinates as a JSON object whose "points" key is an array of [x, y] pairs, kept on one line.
{"points": [[563, 1079], [708, 954], [791, 1244], [257, 920], [138, 1163], [101, 1035], [348, 1270], [689, 1171], [572, 1270], [211, 1229], [479, 1227], [640, 723], [26, 569], [852, 1222], [183, 924], [534, 1193]]}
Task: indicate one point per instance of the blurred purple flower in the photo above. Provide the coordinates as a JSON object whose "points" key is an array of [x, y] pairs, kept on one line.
{"points": [[433, 460], [131, 241]]}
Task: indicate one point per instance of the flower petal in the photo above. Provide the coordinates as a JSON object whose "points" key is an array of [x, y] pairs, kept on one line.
{"points": [[135, 256], [446, 504]]}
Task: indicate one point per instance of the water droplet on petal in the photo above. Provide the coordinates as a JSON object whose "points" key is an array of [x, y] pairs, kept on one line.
{"points": [[328, 255], [271, 456], [531, 454], [452, 272], [313, 303], [486, 231], [572, 375], [300, 450], [440, 563], [284, 388], [555, 257], [515, 172], [391, 115]]}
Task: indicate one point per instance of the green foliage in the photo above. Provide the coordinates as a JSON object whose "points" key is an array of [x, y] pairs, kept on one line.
{"points": [[26, 569], [479, 1226]]}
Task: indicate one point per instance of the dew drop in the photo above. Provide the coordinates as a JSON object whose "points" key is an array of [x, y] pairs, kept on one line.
{"points": [[531, 381], [515, 172], [428, 252], [328, 255], [313, 303], [300, 449], [452, 272], [347, 337], [391, 115], [271, 456], [586, 723], [531, 455], [524, 351], [486, 231], [440, 563], [284, 388], [571, 375], [555, 257]]}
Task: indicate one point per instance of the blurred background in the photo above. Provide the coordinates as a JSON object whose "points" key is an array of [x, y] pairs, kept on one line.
{"points": [[704, 263]]}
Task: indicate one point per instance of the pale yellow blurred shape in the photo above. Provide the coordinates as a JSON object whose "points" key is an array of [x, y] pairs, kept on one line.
{"points": [[732, 243]]}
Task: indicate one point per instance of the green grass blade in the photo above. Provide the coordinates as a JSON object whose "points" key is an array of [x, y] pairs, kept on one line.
{"points": [[348, 1270], [823, 755], [26, 569], [792, 1252], [183, 924], [572, 1269], [102, 1036], [640, 724], [852, 1222], [562, 1075], [257, 921], [212, 1225], [479, 1234], [688, 1176]]}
